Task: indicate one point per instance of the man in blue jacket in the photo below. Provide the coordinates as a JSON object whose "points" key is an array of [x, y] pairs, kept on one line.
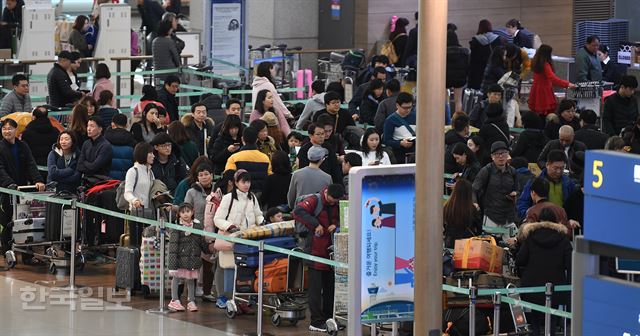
{"points": [[561, 187]]}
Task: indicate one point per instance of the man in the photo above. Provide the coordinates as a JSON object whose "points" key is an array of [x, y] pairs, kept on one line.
{"points": [[17, 100], [59, 83], [561, 187], [621, 108], [310, 179], [96, 153], [151, 13], [313, 105], [251, 159], [17, 168], [495, 188], [330, 137], [539, 193], [566, 142], [106, 112], [400, 128], [199, 126], [233, 106], [320, 227], [376, 61], [588, 65], [379, 72], [167, 96], [478, 115], [349, 161], [341, 117], [330, 165], [122, 144], [40, 135], [388, 105], [589, 133], [411, 48], [167, 166], [458, 133]]}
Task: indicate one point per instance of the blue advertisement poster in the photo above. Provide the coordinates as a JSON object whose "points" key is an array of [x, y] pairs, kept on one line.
{"points": [[388, 227]]}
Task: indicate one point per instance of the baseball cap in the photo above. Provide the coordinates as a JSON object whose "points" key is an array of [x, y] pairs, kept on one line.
{"points": [[498, 145], [316, 153]]}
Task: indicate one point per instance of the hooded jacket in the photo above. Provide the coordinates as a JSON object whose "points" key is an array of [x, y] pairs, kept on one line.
{"points": [[195, 133], [313, 105], [282, 112], [481, 47], [40, 135], [122, 143], [369, 108], [457, 66], [67, 176]]}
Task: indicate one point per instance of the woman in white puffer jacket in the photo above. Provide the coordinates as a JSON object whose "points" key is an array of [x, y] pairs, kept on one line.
{"points": [[238, 210], [264, 81]]}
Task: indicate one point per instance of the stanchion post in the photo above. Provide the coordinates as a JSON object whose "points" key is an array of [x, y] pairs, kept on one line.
{"points": [[161, 307], [548, 292], [473, 293], [72, 267], [497, 301], [564, 320], [118, 69]]}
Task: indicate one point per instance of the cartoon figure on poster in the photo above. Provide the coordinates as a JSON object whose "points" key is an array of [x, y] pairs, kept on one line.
{"points": [[384, 215]]}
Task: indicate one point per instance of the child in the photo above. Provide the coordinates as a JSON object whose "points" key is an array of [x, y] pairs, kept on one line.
{"points": [[184, 258], [295, 140], [274, 215]]}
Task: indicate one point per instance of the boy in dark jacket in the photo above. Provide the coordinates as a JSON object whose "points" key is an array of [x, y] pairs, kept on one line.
{"points": [[322, 226]]}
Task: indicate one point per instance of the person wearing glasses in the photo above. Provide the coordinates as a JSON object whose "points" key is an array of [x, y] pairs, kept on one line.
{"points": [[167, 166], [495, 189], [18, 100], [341, 117], [400, 128]]}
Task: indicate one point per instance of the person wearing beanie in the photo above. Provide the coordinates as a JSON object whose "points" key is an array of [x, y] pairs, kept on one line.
{"points": [[496, 128], [589, 133]]}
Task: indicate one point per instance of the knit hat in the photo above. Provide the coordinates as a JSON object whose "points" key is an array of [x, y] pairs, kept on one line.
{"points": [[316, 153], [160, 138], [270, 118]]}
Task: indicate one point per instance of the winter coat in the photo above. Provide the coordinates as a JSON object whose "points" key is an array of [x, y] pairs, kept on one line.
{"points": [[197, 197], [95, 157], [241, 213], [472, 229], [490, 188], [399, 43], [59, 85], [492, 74], [165, 54], [368, 108], [313, 105], [529, 144], [170, 173], [457, 66], [576, 146], [189, 152], [591, 137], [268, 146], [137, 110], [385, 109], [481, 47], [545, 256], [490, 133], [137, 185], [12, 102], [588, 67], [170, 103], [122, 143], [451, 138], [533, 214], [330, 165], [253, 161], [185, 250], [542, 99], [525, 201], [341, 120], [24, 172], [196, 134], [102, 84], [220, 152], [523, 39], [263, 83], [275, 190], [142, 135], [78, 42], [619, 112], [330, 215], [105, 115], [40, 135], [552, 129], [67, 177], [151, 14]]}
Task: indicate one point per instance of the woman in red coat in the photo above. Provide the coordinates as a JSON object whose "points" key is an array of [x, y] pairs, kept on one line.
{"points": [[542, 100]]}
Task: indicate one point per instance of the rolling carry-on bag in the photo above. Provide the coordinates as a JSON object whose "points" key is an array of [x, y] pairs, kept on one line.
{"points": [[60, 219], [28, 230], [150, 259], [127, 268]]}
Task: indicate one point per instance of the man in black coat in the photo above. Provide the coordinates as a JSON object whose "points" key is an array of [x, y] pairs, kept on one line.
{"points": [[566, 143], [341, 117], [96, 153], [17, 168], [167, 96], [458, 133], [621, 108], [59, 83], [589, 133], [330, 165], [40, 135], [151, 13]]}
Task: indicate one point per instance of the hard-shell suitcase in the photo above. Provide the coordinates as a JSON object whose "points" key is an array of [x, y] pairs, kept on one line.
{"points": [[283, 242], [28, 230], [150, 259], [60, 220], [252, 260], [127, 268]]}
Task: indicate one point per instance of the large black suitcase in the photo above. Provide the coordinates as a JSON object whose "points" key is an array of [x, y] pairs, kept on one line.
{"points": [[102, 229], [60, 219], [128, 268]]}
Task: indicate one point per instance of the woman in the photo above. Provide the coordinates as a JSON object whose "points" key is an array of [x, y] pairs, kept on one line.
{"points": [[228, 142], [372, 152], [477, 146], [481, 46], [192, 177], [466, 159], [566, 112], [187, 148], [517, 60], [457, 67], [373, 96], [91, 104], [495, 128], [542, 99], [149, 96], [461, 218], [277, 184], [521, 37], [264, 81], [164, 50], [147, 128], [631, 136], [532, 140], [264, 103], [77, 38], [265, 144], [398, 37], [274, 131], [62, 163], [616, 144], [103, 82], [495, 69], [79, 120], [239, 210], [137, 187]]}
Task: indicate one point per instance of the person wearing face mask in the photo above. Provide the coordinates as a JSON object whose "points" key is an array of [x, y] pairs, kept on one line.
{"points": [[147, 127], [565, 143], [199, 126], [62, 163], [96, 152], [59, 83]]}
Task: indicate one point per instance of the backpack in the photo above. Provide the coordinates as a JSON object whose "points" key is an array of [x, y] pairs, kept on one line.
{"points": [[301, 230], [389, 50], [121, 202]]}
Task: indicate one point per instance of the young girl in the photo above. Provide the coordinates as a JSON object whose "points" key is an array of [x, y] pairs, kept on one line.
{"points": [[274, 215], [372, 153], [184, 258], [239, 210]]}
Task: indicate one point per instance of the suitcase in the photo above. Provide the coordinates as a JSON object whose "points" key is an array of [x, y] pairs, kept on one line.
{"points": [[274, 276], [60, 220], [470, 99], [251, 260], [102, 229], [283, 242], [28, 230], [127, 268], [245, 278], [150, 276]]}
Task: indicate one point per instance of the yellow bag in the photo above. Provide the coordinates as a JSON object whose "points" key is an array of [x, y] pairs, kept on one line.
{"points": [[389, 50]]}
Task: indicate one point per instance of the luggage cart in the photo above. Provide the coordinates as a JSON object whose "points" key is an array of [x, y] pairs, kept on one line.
{"points": [[28, 232], [282, 305]]}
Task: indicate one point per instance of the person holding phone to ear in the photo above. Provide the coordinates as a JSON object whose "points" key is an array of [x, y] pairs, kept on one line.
{"points": [[227, 143]]}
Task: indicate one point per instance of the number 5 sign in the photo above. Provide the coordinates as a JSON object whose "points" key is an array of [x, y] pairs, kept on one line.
{"points": [[597, 173]]}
